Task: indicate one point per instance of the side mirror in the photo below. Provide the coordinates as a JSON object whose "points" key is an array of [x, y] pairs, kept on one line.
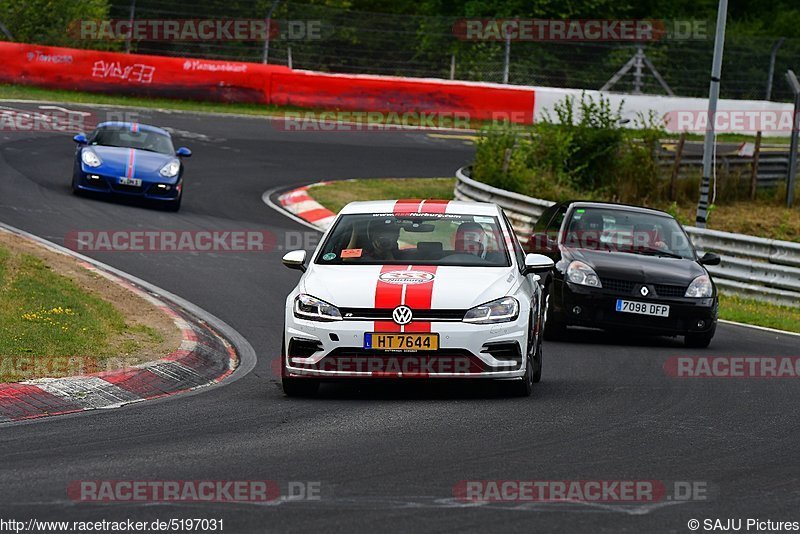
{"points": [[710, 258], [295, 259], [542, 242], [183, 152], [80, 139], [537, 264]]}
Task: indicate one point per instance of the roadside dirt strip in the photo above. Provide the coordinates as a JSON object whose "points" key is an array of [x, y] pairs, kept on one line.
{"points": [[203, 358]]}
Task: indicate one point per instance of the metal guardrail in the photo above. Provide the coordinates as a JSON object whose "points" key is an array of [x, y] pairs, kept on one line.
{"points": [[753, 267]]}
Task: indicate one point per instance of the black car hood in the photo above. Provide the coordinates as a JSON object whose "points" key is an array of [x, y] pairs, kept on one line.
{"points": [[637, 267]]}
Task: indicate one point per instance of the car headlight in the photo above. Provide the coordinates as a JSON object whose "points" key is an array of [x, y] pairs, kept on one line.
{"points": [[497, 311], [88, 157], [314, 309], [700, 287], [170, 170], [583, 275]]}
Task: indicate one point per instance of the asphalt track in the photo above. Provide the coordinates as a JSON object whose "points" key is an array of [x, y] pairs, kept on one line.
{"points": [[389, 457]]}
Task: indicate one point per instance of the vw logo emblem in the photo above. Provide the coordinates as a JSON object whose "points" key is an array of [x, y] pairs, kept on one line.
{"points": [[644, 291], [402, 315]]}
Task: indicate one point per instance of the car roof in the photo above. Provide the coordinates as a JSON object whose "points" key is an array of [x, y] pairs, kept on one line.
{"points": [[131, 125], [614, 205], [417, 205]]}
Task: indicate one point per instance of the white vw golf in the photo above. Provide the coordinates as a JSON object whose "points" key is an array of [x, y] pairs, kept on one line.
{"points": [[415, 289]]}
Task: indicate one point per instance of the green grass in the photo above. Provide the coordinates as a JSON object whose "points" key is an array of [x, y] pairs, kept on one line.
{"points": [[51, 327], [758, 313], [336, 195]]}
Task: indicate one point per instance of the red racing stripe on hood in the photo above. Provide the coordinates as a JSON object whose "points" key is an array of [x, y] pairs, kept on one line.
{"points": [[387, 296], [419, 297], [131, 163], [416, 296]]}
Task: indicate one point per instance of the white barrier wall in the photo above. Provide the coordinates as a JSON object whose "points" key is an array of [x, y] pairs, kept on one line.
{"points": [[684, 113]]}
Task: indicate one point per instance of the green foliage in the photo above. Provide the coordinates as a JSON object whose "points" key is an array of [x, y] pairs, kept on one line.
{"points": [[48, 22], [581, 152]]}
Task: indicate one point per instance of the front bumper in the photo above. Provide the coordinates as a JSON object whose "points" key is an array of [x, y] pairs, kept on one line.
{"points": [[596, 308], [335, 350], [99, 183]]}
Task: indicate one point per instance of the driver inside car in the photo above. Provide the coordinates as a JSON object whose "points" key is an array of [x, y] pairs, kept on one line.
{"points": [[470, 239], [382, 237]]}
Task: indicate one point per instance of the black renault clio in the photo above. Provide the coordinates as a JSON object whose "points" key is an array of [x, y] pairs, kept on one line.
{"points": [[627, 268]]}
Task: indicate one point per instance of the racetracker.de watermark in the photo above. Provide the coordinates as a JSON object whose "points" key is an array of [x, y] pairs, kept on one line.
{"points": [[52, 118], [733, 367], [408, 365], [583, 30], [378, 121], [23, 367], [196, 30], [220, 491], [580, 491], [153, 241], [731, 121]]}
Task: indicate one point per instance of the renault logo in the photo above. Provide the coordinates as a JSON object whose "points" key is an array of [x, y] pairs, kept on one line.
{"points": [[644, 291], [402, 315]]}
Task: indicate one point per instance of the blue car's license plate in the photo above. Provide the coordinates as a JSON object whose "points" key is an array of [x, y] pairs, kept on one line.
{"points": [[136, 182]]}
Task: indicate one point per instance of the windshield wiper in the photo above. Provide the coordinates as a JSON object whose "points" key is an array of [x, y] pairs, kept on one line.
{"points": [[658, 252]]}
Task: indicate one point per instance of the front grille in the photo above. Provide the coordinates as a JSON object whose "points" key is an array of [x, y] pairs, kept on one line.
{"points": [[127, 188], [385, 314], [622, 286], [668, 290]]}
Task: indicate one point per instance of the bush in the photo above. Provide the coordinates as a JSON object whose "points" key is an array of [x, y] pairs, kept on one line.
{"points": [[583, 152]]}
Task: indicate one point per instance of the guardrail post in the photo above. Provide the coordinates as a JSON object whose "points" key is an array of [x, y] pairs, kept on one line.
{"points": [[790, 178], [754, 173]]}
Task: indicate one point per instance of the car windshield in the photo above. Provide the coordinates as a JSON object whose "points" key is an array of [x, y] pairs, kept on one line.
{"points": [[140, 139], [421, 239], [627, 231]]}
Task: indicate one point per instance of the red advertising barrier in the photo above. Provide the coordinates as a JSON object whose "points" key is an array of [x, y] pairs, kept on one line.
{"points": [[227, 81], [308, 89], [133, 74]]}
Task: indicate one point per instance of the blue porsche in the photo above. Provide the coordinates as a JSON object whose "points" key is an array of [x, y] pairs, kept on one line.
{"points": [[128, 158]]}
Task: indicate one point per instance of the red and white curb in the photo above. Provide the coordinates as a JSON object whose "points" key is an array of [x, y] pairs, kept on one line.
{"points": [[204, 358], [300, 203]]}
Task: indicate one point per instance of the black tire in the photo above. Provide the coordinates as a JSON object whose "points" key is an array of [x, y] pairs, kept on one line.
{"points": [[698, 341], [538, 361], [175, 205], [524, 387], [75, 190], [296, 387], [554, 328]]}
